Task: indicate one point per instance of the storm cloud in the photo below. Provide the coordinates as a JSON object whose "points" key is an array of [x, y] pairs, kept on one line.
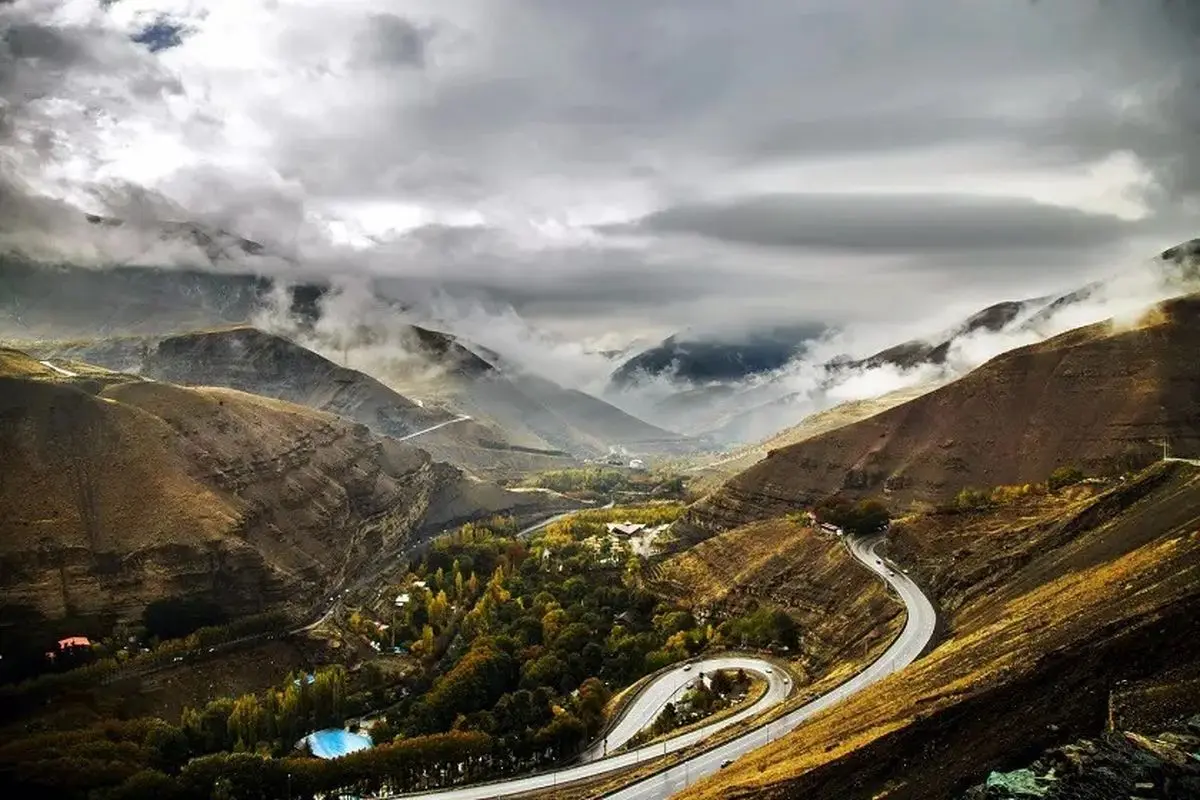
{"points": [[617, 169], [892, 223]]}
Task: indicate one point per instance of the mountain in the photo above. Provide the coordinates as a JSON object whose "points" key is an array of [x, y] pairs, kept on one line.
{"points": [[517, 413], [710, 474], [736, 414], [916, 352], [1098, 397], [117, 491], [703, 360], [57, 301], [533, 411], [251, 360]]}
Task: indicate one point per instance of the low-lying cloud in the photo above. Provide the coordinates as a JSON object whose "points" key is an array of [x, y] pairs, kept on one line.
{"points": [[554, 178]]}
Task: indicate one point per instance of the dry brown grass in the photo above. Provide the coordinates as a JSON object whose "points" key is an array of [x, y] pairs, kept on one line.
{"points": [[14, 363], [842, 609], [1034, 651], [118, 492], [710, 477]]}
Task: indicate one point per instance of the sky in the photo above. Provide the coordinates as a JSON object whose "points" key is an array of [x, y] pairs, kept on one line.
{"points": [[607, 171]]}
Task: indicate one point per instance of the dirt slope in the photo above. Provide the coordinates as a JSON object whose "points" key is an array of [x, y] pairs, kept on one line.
{"points": [[252, 360], [1097, 397], [842, 610], [1086, 592], [713, 474], [117, 491]]}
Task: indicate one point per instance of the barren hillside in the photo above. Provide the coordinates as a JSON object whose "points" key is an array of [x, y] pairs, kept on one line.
{"points": [[245, 358], [1099, 397], [843, 611], [118, 491], [1051, 605], [841, 415]]}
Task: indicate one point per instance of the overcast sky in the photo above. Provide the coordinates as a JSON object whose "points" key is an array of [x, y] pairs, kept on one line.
{"points": [[625, 167]]}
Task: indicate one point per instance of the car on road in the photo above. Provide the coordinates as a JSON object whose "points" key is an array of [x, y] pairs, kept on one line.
{"points": [[726, 763], [891, 574], [687, 667], [879, 561], [770, 671]]}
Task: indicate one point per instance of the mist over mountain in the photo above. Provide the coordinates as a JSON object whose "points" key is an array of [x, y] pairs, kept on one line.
{"points": [[695, 359]]}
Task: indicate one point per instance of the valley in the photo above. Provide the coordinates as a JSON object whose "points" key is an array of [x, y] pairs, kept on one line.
{"points": [[592, 401], [477, 567]]}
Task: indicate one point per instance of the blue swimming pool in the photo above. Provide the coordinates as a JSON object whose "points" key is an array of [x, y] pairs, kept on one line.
{"points": [[335, 743]]}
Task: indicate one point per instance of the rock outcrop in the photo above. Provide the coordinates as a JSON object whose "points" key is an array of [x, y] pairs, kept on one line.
{"points": [[1118, 764]]}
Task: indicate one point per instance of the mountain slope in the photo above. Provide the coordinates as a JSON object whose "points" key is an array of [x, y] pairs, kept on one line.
{"points": [[245, 358], [1097, 397], [531, 410], [713, 473], [1050, 606], [117, 491], [56, 302]]}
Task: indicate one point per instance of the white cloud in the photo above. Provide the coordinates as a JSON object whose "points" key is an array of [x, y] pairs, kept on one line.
{"points": [[481, 150]]}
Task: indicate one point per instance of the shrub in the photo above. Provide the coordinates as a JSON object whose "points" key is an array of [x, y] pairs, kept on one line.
{"points": [[1063, 477], [970, 499]]}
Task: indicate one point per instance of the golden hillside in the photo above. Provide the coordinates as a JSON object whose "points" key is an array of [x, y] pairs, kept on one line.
{"points": [[711, 475], [1050, 604], [120, 491], [1100, 397], [843, 611]]}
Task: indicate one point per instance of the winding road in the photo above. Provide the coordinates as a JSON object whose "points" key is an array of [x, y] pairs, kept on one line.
{"points": [[667, 688], [918, 631]]}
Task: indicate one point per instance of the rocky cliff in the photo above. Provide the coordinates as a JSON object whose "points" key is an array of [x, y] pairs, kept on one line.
{"points": [[117, 491]]}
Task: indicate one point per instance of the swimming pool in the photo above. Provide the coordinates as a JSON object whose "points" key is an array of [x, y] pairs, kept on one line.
{"points": [[335, 743]]}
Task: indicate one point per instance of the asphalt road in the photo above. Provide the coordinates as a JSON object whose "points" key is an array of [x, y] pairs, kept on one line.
{"points": [[918, 630], [432, 428], [670, 686]]}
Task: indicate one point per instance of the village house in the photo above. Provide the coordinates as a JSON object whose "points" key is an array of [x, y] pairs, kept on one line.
{"points": [[67, 644], [625, 528]]}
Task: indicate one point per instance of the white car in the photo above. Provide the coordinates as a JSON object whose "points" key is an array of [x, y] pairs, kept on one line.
{"points": [[687, 667], [770, 671]]}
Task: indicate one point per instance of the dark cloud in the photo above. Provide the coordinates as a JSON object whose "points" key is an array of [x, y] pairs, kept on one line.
{"points": [[538, 115], [890, 223], [392, 40]]}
